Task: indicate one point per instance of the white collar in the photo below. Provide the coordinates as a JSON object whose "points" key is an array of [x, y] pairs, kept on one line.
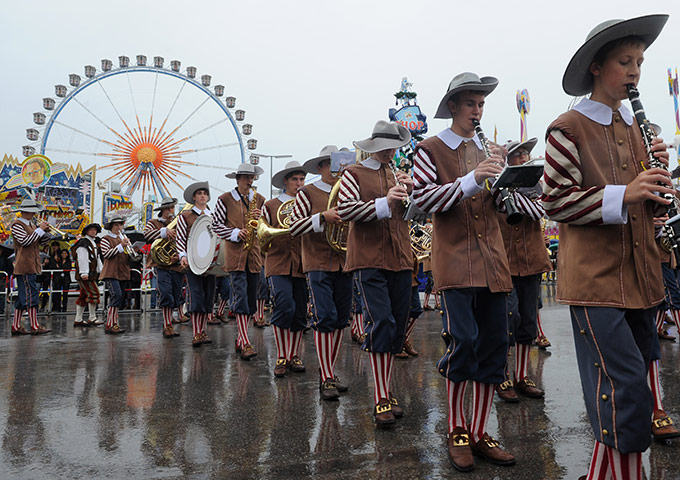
{"points": [[323, 186], [113, 235], [284, 197], [199, 211], [161, 219], [601, 113], [453, 140], [371, 163], [24, 221], [236, 196]]}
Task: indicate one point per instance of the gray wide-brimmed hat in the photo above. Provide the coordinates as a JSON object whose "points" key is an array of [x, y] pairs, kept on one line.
{"points": [[191, 189], [167, 202], [312, 165], [30, 206], [463, 82], [245, 169], [114, 219], [280, 176], [386, 135], [92, 225], [528, 145], [577, 79]]}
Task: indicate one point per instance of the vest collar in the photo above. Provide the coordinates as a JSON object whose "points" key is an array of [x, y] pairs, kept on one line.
{"points": [[453, 140], [323, 186], [601, 113]]}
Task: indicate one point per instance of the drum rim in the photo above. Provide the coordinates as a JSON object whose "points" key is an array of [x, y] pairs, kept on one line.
{"points": [[193, 264]]}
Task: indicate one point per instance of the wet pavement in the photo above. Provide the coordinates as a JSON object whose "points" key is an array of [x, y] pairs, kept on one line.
{"points": [[81, 404]]}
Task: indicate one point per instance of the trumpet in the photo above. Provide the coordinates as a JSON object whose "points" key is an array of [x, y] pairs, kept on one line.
{"points": [[60, 233], [129, 251]]}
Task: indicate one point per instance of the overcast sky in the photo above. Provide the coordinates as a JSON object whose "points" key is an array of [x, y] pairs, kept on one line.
{"points": [[311, 73]]}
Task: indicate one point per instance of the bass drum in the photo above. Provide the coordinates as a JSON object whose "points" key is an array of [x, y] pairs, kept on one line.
{"points": [[205, 252]]}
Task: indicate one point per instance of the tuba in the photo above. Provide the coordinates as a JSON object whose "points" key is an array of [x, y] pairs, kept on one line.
{"points": [[164, 249], [266, 233]]}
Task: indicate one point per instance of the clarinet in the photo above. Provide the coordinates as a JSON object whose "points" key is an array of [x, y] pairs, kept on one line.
{"points": [[648, 135], [514, 216], [407, 201]]}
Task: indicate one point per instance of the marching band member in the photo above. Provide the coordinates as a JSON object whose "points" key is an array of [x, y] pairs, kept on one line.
{"points": [[115, 270], [372, 198], [169, 278], [88, 268], [234, 211], [201, 287], [27, 265], [597, 184], [329, 287], [449, 175], [283, 268], [528, 259]]}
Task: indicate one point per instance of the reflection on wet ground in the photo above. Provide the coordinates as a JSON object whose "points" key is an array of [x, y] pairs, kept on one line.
{"points": [[81, 404]]}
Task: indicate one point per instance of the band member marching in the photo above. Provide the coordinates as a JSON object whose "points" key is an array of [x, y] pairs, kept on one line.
{"points": [[115, 248], [169, 277], [469, 264], [329, 287], [235, 220], [201, 287], [372, 198], [601, 183], [88, 266], [27, 265], [528, 259], [283, 268]]}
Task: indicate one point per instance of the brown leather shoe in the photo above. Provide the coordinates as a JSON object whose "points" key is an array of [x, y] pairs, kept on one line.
{"points": [[205, 338], [281, 367], [662, 426], [408, 348], [196, 341], [460, 453], [296, 365], [260, 323], [402, 354], [248, 352], [397, 411], [542, 342], [328, 390], [384, 416], [664, 335], [20, 331], [169, 332], [214, 321], [356, 338], [41, 330], [184, 318], [489, 449], [342, 388], [115, 330], [506, 392], [529, 389]]}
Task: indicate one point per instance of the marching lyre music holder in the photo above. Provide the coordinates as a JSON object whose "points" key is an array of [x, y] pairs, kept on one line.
{"points": [[517, 176]]}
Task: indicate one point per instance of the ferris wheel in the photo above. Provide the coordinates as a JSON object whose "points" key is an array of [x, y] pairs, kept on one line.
{"points": [[150, 128]]}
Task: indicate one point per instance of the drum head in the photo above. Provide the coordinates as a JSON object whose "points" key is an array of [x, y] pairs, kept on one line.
{"points": [[201, 245]]}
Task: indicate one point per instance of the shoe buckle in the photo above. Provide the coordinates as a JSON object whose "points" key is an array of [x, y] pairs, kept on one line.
{"points": [[505, 385], [663, 422], [491, 442], [383, 408], [393, 401], [296, 361], [529, 383], [461, 440], [280, 362]]}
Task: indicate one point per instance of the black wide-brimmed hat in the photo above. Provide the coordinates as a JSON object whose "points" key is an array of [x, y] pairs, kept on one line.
{"points": [[92, 225]]}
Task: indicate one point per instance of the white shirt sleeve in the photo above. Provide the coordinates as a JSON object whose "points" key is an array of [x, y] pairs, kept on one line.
{"points": [[83, 261], [469, 185], [234, 235], [613, 209], [164, 232], [316, 223], [382, 208]]}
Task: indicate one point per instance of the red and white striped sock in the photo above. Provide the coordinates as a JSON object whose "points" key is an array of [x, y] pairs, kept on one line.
{"points": [[538, 324], [653, 382], [360, 324], [296, 339], [599, 464], [624, 466], [659, 320], [196, 323], [521, 361], [354, 330], [16, 322], [337, 342], [204, 322], [456, 394], [409, 328], [482, 399], [167, 317], [390, 367], [324, 346], [380, 364], [280, 345], [221, 308], [260, 308], [676, 318], [110, 322], [242, 325], [33, 317]]}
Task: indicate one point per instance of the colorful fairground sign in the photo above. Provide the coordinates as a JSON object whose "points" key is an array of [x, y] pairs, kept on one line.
{"points": [[65, 191], [409, 114], [115, 204]]}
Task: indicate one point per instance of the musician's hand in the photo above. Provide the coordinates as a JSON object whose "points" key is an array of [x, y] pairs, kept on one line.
{"points": [[396, 195], [406, 179], [174, 259], [45, 226], [85, 277], [644, 187], [256, 213], [331, 216], [660, 150], [125, 242], [489, 168], [660, 220], [184, 262], [242, 235], [171, 234]]}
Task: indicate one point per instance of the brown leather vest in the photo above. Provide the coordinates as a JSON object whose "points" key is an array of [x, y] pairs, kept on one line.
{"points": [[237, 216], [118, 266], [27, 260], [317, 255], [525, 247], [283, 257], [608, 265], [467, 247], [383, 244]]}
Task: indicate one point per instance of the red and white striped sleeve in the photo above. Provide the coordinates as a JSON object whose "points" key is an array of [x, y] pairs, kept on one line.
{"points": [[427, 193], [151, 233], [24, 239], [350, 206], [267, 214], [301, 219], [564, 199], [108, 250], [219, 223], [181, 237], [532, 209]]}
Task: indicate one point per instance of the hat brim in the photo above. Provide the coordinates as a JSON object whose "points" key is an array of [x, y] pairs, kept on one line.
{"points": [[577, 79], [279, 178], [487, 86], [93, 225], [108, 225], [191, 189], [312, 165], [32, 209], [161, 207], [373, 145], [527, 144], [258, 171]]}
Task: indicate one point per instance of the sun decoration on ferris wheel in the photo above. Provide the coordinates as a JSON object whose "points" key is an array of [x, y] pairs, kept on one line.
{"points": [[143, 153]]}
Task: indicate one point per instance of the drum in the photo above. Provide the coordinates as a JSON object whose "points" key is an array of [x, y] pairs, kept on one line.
{"points": [[205, 252]]}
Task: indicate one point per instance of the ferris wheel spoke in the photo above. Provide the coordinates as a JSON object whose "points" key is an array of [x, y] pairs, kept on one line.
{"points": [[74, 129], [132, 95], [113, 105], [99, 119], [191, 114], [209, 127], [203, 149], [76, 152]]}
